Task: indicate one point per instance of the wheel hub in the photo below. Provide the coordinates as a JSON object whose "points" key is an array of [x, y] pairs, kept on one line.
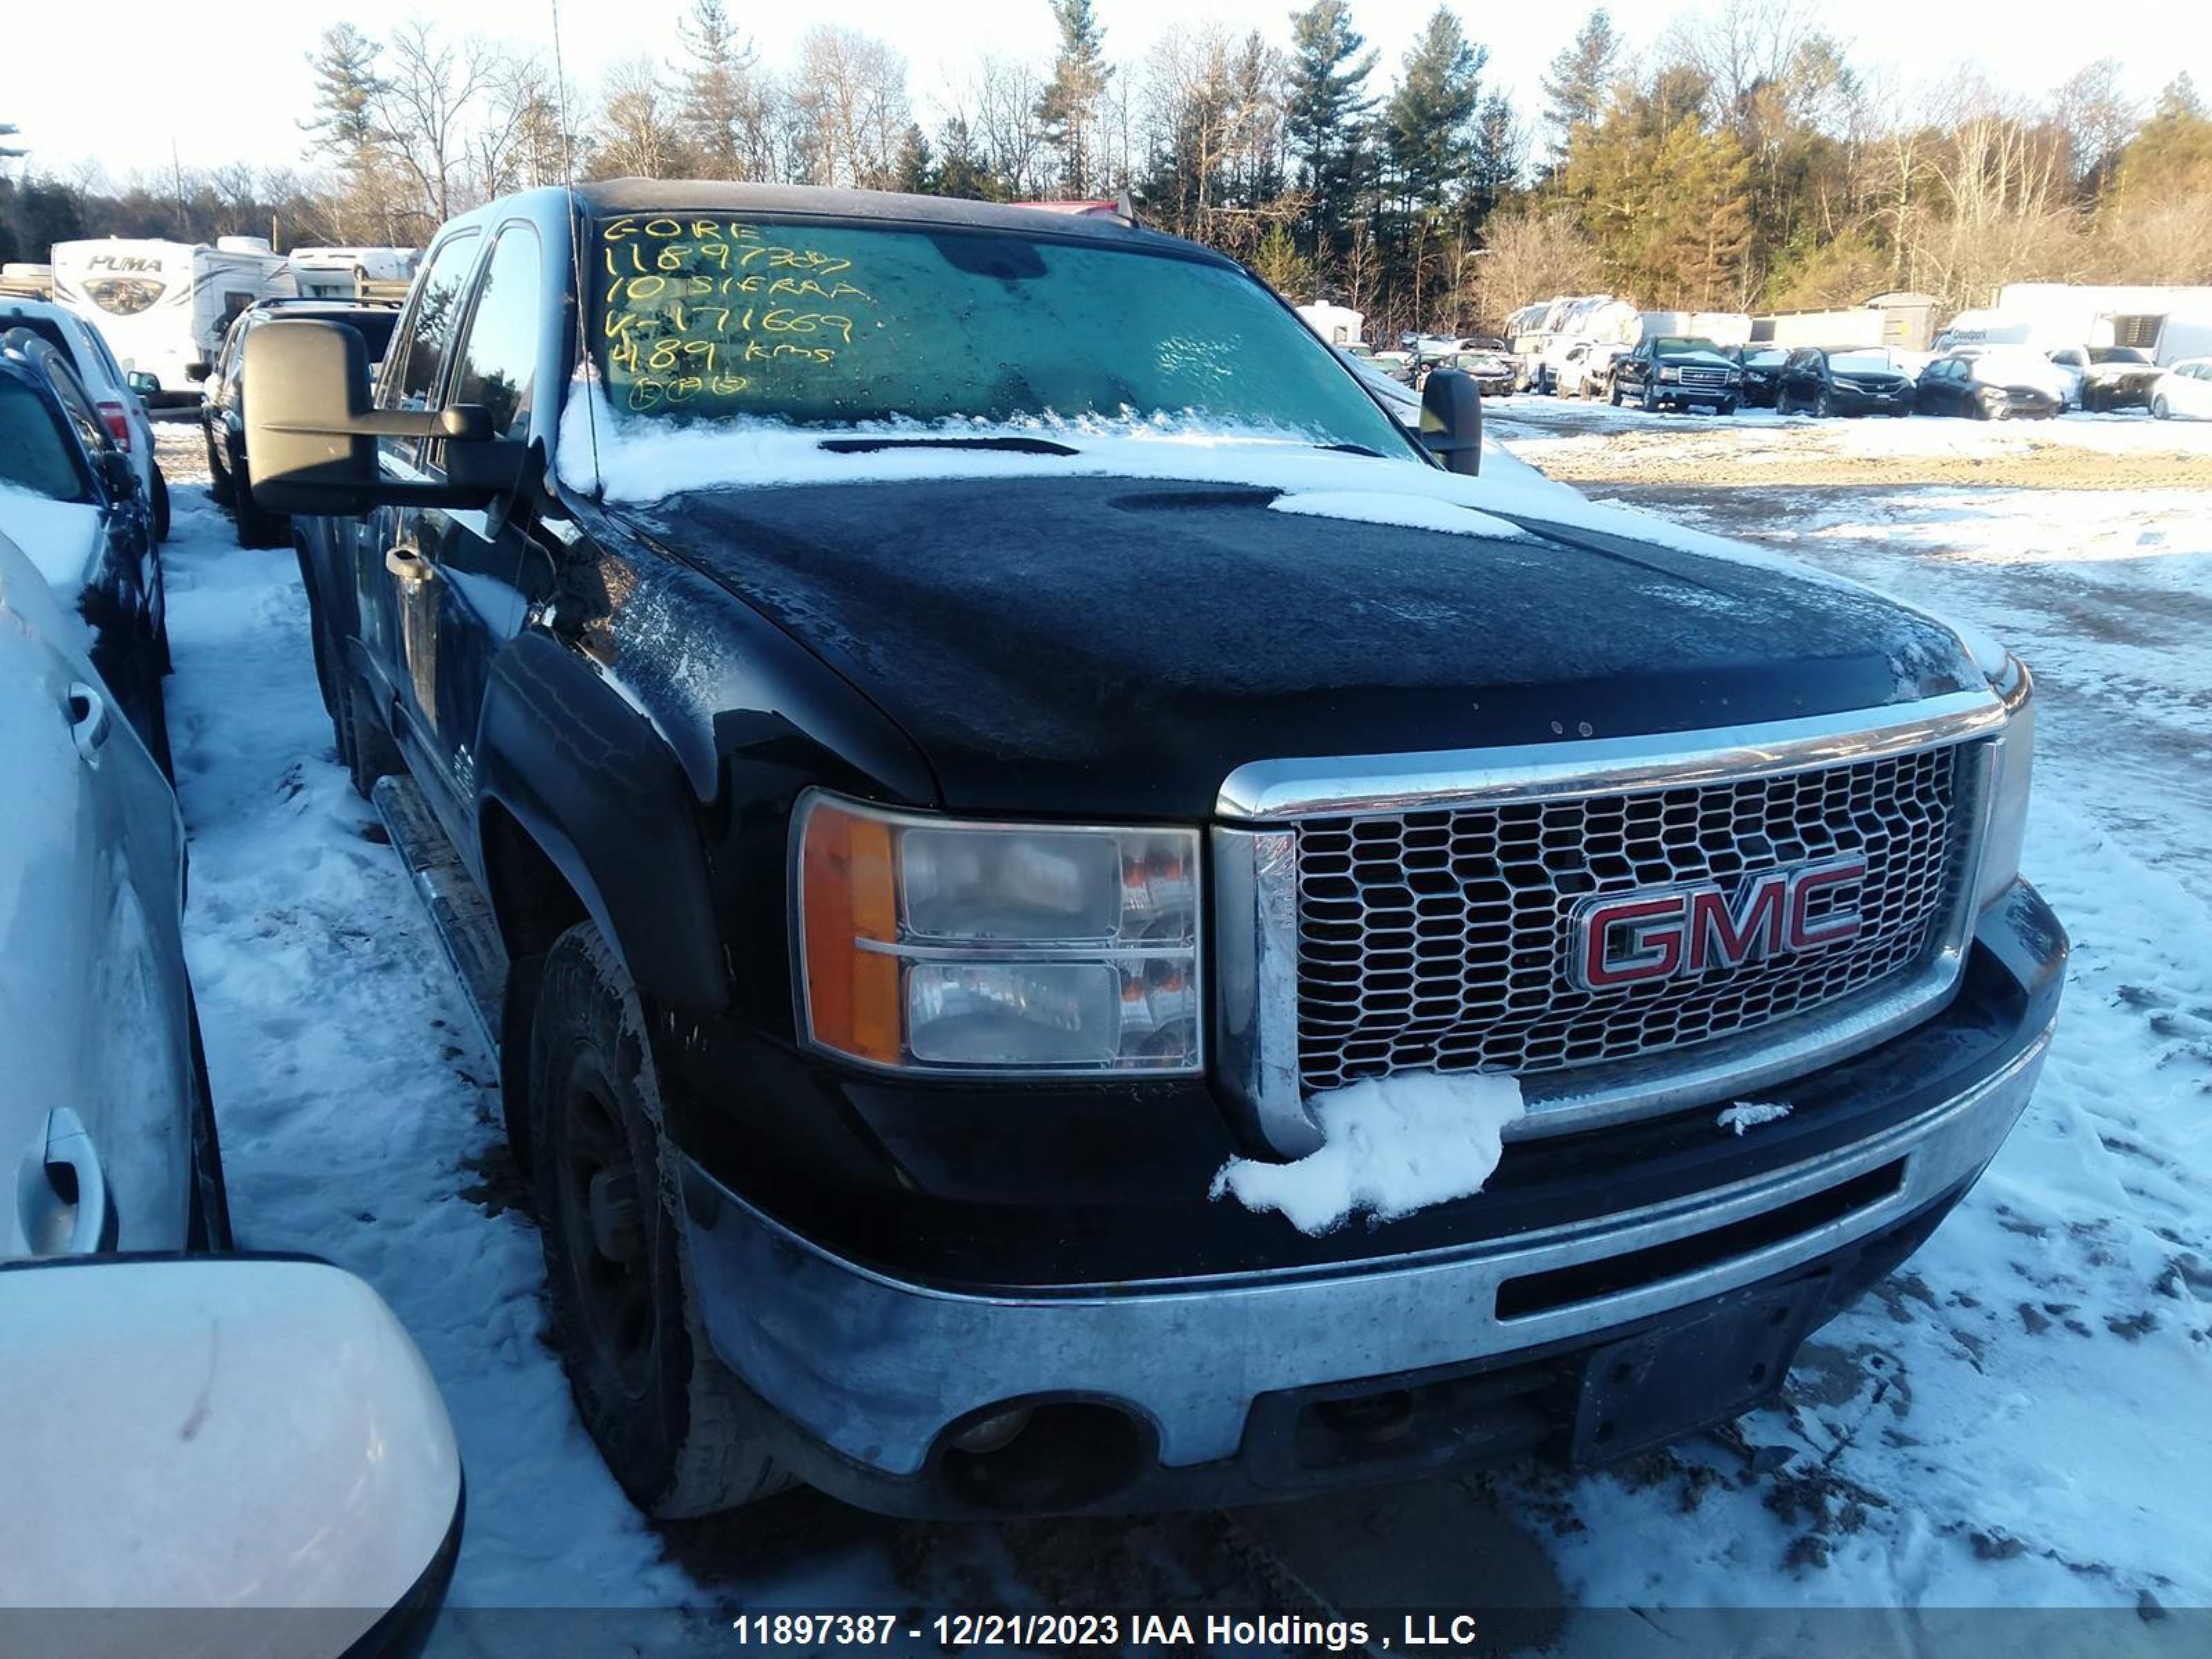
{"points": [[617, 1226]]}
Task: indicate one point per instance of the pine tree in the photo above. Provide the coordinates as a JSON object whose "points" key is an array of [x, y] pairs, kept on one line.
{"points": [[963, 170], [1581, 82], [1322, 112], [1499, 149], [345, 129], [713, 107], [1068, 108], [1429, 126], [914, 170]]}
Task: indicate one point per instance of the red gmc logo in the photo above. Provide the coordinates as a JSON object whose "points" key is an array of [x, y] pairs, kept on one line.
{"points": [[1636, 938]]}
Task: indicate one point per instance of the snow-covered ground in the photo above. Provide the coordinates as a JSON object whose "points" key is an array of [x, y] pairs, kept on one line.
{"points": [[2017, 1420]]}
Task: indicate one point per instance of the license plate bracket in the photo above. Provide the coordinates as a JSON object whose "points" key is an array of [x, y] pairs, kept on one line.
{"points": [[1649, 1390]]}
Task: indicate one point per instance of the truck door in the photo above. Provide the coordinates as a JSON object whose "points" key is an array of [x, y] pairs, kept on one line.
{"points": [[414, 375], [457, 577]]}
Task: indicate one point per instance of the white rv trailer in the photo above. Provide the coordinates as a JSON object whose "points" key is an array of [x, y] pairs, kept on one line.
{"points": [[1340, 325], [353, 273], [2170, 324], [164, 306], [1725, 329]]}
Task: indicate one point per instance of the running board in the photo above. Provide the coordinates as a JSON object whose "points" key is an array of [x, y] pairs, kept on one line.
{"points": [[459, 913]]}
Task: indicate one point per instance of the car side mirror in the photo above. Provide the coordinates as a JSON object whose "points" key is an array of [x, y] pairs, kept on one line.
{"points": [[149, 385], [1451, 420], [311, 432], [192, 371], [226, 1435]]}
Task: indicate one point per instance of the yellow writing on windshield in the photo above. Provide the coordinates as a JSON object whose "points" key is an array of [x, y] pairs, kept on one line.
{"points": [[694, 306]]}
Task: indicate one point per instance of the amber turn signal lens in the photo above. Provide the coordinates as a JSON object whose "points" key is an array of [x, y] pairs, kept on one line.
{"points": [[847, 899]]}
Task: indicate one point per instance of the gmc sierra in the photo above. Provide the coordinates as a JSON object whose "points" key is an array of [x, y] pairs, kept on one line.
{"points": [[929, 729]]}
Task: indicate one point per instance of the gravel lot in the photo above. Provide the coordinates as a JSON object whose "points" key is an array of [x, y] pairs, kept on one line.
{"points": [[2008, 1423]]}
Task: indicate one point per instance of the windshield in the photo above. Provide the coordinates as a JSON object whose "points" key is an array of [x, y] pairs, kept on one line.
{"points": [[715, 318], [33, 453], [2118, 355], [1765, 359], [1677, 345], [1859, 363]]}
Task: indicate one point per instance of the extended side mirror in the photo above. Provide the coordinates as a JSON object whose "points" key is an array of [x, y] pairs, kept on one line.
{"points": [[253, 1441], [149, 385], [310, 432], [1451, 420]]}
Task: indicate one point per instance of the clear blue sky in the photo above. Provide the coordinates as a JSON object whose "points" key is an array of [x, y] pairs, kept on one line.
{"points": [[226, 82]]}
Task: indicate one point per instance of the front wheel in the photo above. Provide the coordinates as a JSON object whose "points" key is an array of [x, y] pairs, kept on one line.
{"points": [[1824, 406], [1651, 398], [221, 490], [257, 526], [2160, 409], [668, 1419], [160, 505], [1612, 394]]}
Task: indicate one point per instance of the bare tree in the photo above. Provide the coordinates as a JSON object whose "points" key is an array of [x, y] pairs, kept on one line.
{"points": [[428, 90], [848, 95], [638, 135]]}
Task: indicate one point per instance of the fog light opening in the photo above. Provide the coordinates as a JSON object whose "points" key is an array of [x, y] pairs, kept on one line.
{"points": [[991, 1432], [1042, 1457]]}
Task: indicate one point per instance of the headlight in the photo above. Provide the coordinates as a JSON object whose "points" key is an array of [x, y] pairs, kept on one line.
{"points": [[1670, 373], [2008, 783], [1735, 375], [928, 945]]}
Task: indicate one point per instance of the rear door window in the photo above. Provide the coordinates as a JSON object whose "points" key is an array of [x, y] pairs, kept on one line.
{"points": [[34, 454]]}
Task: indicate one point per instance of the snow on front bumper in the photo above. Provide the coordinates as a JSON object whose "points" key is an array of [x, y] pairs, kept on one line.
{"points": [[875, 1370]]}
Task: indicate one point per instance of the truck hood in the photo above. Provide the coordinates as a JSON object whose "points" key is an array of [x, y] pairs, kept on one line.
{"points": [[1117, 646]]}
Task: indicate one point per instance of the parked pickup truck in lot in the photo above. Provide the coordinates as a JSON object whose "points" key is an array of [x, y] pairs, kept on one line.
{"points": [[1677, 370], [932, 732]]}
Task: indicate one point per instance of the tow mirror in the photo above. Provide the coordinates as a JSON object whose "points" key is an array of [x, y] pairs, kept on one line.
{"points": [[1451, 420], [149, 385], [311, 432], [252, 1445]]}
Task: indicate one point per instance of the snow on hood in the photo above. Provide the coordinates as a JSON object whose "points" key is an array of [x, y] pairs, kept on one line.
{"points": [[1389, 1147], [62, 539], [634, 462]]}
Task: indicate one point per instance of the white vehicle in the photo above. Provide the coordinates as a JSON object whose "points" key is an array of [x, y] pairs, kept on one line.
{"points": [[164, 306], [1597, 318], [1586, 369], [106, 1133], [121, 405], [251, 1441], [2185, 391], [353, 273]]}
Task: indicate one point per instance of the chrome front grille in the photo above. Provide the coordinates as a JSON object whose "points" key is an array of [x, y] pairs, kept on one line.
{"points": [[1440, 938], [1707, 379]]}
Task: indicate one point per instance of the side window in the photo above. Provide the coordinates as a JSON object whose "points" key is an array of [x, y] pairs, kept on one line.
{"points": [[499, 358], [414, 370]]}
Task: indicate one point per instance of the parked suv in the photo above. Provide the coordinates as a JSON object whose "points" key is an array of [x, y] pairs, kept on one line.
{"points": [[1677, 370], [222, 408], [119, 397], [1863, 380], [944, 809]]}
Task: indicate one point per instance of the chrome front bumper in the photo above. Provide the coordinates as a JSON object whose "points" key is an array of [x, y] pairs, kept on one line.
{"points": [[876, 1369]]}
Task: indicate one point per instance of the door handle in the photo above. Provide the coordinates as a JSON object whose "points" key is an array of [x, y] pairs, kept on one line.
{"points": [[79, 1184], [87, 716], [404, 562]]}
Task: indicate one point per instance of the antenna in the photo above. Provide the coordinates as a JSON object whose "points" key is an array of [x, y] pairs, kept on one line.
{"points": [[575, 237]]}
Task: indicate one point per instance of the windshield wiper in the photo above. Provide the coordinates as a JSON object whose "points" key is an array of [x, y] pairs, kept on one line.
{"points": [[1352, 449], [877, 446]]}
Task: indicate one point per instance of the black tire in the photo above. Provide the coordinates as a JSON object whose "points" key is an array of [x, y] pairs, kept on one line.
{"points": [[364, 745], [207, 1223], [1824, 406], [1612, 394], [221, 491], [160, 505], [257, 527], [1651, 398], [672, 1424]]}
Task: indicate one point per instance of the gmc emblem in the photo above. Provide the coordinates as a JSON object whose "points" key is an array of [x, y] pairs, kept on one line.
{"points": [[1638, 938]]}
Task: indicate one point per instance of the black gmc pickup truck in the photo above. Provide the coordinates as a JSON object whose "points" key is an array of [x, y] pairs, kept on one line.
{"points": [[931, 732]]}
